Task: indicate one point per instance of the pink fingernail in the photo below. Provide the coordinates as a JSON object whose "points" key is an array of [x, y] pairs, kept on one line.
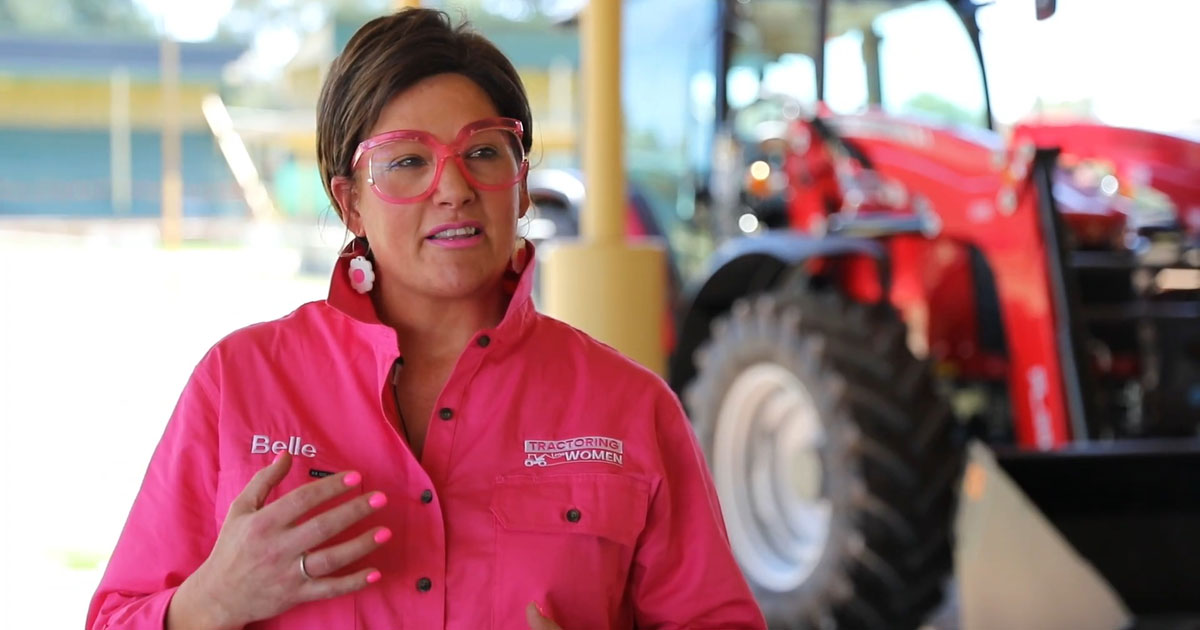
{"points": [[383, 535], [374, 577], [377, 500], [352, 479], [278, 457]]}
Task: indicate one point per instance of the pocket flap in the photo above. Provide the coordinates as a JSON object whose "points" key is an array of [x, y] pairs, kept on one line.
{"points": [[605, 505]]}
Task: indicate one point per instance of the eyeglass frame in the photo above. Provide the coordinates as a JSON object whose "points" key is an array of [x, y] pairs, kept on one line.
{"points": [[443, 152]]}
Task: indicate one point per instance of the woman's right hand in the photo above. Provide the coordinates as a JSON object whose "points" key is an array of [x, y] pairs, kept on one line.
{"points": [[254, 571]]}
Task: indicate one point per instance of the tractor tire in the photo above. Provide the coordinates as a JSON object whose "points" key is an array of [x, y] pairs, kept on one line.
{"points": [[835, 460]]}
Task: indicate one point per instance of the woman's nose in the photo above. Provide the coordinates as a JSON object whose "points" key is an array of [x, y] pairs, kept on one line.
{"points": [[453, 188]]}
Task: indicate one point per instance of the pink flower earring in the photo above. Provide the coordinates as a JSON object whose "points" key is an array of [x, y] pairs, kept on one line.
{"points": [[362, 273], [520, 256]]}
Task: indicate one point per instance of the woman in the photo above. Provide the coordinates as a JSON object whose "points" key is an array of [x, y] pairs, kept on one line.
{"points": [[423, 449]]}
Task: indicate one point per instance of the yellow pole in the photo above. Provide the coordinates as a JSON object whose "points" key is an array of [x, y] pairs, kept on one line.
{"points": [[611, 289], [602, 159], [405, 4]]}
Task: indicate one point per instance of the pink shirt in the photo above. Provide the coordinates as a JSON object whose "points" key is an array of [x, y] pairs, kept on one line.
{"points": [[554, 470]]}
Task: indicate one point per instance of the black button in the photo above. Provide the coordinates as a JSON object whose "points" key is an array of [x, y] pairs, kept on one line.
{"points": [[424, 584], [446, 413], [483, 341], [427, 496], [573, 515]]}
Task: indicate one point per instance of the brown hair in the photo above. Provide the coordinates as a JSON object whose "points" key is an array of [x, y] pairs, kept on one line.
{"points": [[390, 54]]}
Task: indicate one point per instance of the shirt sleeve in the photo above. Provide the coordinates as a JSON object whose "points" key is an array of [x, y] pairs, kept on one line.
{"points": [[171, 527], [684, 574]]}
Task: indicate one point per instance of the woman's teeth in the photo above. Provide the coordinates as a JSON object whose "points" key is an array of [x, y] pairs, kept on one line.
{"points": [[456, 233]]}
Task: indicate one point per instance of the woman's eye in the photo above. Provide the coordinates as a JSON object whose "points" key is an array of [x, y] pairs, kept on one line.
{"points": [[483, 153], [409, 161]]}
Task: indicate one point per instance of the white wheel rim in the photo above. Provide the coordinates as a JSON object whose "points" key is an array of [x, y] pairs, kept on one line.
{"points": [[768, 473]]}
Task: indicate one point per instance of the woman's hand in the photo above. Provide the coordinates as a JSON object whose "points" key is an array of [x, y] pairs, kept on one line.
{"points": [[254, 570], [538, 621]]}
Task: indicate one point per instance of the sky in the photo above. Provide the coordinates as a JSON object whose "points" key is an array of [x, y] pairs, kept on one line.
{"points": [[1125, 56], [199, 20], [189, 20], [1132, 58]]}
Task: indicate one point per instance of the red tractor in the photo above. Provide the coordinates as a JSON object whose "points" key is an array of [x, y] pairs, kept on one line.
{"points": [[925, 283]]}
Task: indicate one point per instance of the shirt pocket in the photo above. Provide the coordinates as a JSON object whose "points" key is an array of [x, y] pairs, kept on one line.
{"points": [[566, 542], [328, 613]]}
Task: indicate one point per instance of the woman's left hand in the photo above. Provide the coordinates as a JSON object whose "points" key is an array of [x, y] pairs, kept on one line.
{"points": [[538, 621]]}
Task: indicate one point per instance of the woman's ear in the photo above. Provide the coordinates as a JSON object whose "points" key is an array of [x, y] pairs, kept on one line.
{"points": [[346, 196], [524, 201]]}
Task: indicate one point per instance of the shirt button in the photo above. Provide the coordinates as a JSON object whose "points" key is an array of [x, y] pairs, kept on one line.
{"points": [[427, 496], [446, 413], [483, 341], [424, 584], [573, 515]]}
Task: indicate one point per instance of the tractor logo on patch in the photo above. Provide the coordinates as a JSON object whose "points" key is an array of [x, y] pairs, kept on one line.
{"points": [[542, 453]]}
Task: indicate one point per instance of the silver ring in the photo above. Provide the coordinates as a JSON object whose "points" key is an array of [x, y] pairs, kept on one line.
{"points": [[303, 569]]}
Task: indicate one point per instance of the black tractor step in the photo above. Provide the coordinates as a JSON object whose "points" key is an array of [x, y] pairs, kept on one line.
{"points": [[1140, 310], [1085, 259]]}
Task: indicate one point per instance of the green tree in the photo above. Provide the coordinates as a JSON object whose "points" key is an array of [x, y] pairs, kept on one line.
{"points": [[943, 110], [91, 17], [248, 17]]}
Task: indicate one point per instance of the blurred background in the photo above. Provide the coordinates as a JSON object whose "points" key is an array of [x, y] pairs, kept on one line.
{"points": [[159, 186]]}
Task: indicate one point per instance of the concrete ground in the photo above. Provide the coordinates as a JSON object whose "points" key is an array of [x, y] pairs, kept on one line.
{"points": [[99, 330]]}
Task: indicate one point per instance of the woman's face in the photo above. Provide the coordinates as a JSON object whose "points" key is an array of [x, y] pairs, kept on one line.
{"points": [[412, 248]]}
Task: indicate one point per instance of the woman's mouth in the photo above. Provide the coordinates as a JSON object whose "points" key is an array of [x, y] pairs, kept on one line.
{"points": [[456, 235]]}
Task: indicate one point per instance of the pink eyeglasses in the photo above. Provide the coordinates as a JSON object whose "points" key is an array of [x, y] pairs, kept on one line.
{"points": [[405, 166]]}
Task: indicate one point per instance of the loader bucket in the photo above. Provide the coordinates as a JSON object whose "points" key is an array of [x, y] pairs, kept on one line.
{"points": [[1131, 508]]}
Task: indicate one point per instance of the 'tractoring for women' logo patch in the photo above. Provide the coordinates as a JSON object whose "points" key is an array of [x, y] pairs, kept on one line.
{"points": [[594, 448]]}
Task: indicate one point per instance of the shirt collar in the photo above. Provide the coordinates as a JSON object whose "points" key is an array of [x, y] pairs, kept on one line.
{"points": [[518, 316]]}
